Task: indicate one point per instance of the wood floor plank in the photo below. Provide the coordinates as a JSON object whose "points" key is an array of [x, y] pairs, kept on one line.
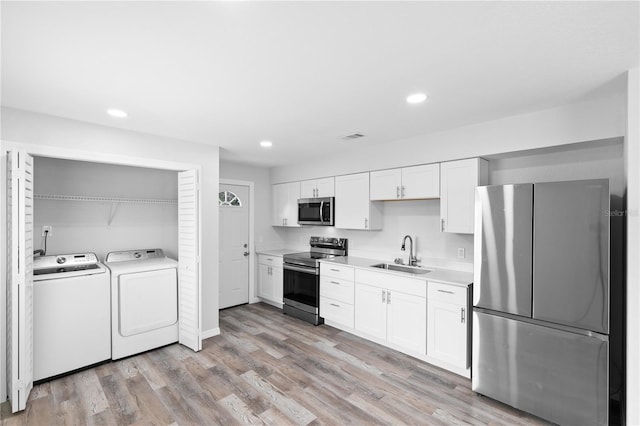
{"points": [[265, 368], [286, 405], [240, 410]]}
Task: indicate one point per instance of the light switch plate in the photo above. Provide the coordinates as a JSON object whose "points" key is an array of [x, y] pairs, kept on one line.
{"points": [[460, 253]]}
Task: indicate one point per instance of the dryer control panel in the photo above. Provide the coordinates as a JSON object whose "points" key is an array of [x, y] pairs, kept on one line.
{"points": [[129, 255]]}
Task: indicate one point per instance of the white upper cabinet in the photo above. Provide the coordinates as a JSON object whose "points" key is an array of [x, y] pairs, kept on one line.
{"points": [[353, 208], [317, 188], [458, 180], [385, 184], [285, 204], [407, 183]]}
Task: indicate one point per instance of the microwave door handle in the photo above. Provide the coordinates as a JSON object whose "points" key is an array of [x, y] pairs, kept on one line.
{"points": [[321, 208]]}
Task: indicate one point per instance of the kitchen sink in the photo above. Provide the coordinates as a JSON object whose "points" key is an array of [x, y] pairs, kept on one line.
{"points": [[416, 270]]}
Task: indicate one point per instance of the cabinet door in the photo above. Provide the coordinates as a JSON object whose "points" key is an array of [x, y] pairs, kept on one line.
{"points": [[407, 321], [386, 185], [458, 180], [421, 182], [291, 204], [277, 284], [447, 333], [325, 187], [265, 282], [371, 310], [279, 196], [352, 201], [308, 188]]}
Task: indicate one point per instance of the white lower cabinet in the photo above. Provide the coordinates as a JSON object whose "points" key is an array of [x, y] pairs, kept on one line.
{"points": [[270, 278], [393, 309], [336, 294], [448, 324]]}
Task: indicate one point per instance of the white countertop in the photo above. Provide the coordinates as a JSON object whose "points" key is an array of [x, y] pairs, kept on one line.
{"points": [[448, 276], [277, 252]]}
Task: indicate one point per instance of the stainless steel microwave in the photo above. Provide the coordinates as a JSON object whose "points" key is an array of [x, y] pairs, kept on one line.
{"points": [[316, 211]]}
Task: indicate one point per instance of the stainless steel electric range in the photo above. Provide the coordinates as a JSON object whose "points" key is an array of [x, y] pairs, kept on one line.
{"points": [[302, 277]]}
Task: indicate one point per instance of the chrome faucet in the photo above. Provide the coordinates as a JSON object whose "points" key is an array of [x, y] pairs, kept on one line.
{"points": [[412, 259]]}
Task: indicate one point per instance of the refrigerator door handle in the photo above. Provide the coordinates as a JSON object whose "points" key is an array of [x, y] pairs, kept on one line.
{"points": [[462, 315]]}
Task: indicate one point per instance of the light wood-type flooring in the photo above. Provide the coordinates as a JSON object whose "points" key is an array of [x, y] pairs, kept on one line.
{"points": [[265, 368]]}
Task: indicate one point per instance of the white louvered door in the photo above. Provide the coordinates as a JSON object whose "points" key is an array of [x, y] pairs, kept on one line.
{"points": [[20, 277], [189, 311]]}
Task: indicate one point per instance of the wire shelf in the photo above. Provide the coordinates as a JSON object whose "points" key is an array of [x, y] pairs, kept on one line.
{"points": [[104, 199]]}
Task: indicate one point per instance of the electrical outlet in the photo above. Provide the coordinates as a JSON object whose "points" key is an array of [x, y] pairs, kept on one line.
{"points": [[47, 230], [460, 253]]}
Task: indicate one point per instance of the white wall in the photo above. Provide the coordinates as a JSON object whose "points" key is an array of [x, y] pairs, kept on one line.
{"points": [[587, 121], [573, 162], [421, 219], [265, 236], [632, 164], [26, 128], [418, 218], [84, 226]]}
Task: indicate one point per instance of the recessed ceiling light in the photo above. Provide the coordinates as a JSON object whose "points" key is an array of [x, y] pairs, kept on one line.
{"points": [[117, 113], [266, 144], [416, 98]]}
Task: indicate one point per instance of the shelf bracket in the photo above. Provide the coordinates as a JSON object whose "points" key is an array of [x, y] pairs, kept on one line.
{"points": [[112, 212]]}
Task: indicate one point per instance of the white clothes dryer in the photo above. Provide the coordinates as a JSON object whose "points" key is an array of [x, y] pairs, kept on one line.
{"points": [[144, 301]]}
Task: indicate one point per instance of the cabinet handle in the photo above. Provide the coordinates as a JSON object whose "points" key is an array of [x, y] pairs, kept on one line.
{"points": [[366, 223], [397, 192], [462, 316], [384, 293], [269, 259], [334, 282], [335, 270], [445, 291], [388, 297], [334, 304], [402, 191], [442, 225]]}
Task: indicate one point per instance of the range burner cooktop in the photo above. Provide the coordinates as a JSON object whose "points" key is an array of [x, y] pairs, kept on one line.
{"points": [[321, 248]]}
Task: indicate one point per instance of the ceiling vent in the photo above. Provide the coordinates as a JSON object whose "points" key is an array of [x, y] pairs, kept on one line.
{"points": [[353, 136]]}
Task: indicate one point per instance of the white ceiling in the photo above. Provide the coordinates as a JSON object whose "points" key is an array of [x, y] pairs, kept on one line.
{"points": [[305, 74]]}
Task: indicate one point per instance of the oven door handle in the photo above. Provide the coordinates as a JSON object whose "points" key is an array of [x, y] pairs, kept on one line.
{"points": [[310, 271]]}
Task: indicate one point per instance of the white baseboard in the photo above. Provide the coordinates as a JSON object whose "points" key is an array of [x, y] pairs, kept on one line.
{"points": [[210, 333]]}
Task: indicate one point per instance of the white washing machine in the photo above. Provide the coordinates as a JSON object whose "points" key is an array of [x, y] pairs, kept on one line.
{"points": [[144, 301], [71, 313]]}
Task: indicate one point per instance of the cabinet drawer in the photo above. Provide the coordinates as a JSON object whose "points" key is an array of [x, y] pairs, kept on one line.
{"points": [[337, 271], [336, 311], [266, 259], [392, 282], [335, 288], [447, 293]]}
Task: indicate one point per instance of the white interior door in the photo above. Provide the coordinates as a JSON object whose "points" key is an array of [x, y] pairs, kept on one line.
{"points": [[20, 277], [189, 309], [234, 245]]}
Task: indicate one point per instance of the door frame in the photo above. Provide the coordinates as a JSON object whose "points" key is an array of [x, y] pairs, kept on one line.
{"points": [[93, 157], [253, 260]]}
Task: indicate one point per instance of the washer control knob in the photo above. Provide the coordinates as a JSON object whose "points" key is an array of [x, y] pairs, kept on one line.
{"points": [[60, 260], [137, 255]]}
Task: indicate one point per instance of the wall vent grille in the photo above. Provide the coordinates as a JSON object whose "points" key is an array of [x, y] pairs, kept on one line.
{"points": [[353, 136]]}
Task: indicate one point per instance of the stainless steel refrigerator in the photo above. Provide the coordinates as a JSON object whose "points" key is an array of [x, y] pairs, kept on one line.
{"points": [[541, 299]]}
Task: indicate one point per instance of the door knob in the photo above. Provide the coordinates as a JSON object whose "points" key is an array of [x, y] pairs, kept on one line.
{"points": [[246, 253]]}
